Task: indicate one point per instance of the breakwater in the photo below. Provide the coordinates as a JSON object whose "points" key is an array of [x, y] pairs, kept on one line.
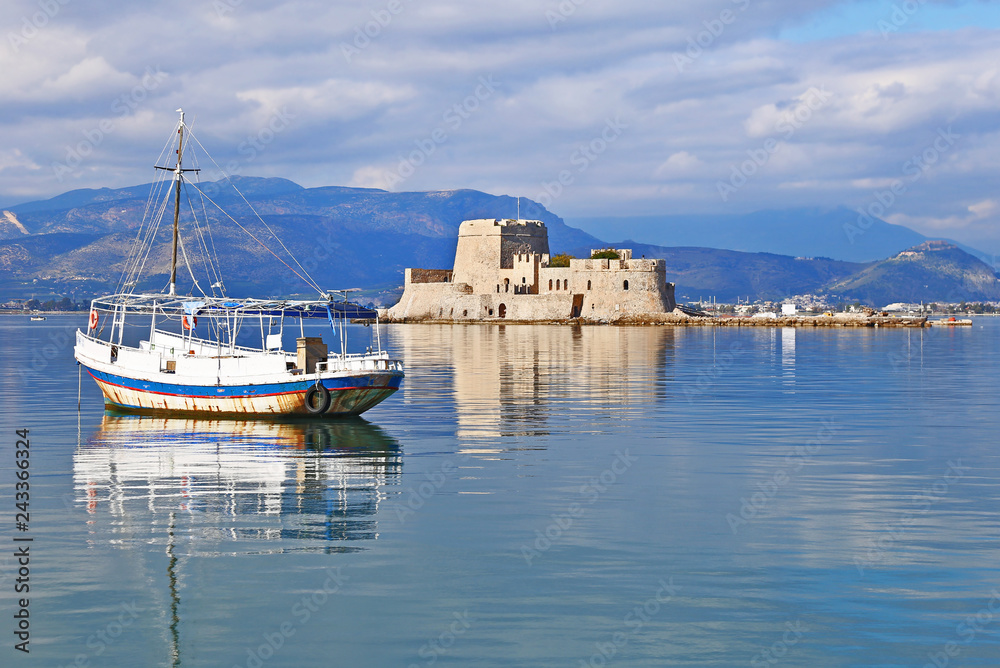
{"points": [[676, 318]]}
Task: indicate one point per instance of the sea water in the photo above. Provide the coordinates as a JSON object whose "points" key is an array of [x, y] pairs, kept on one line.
{"points": [[533, 496]]}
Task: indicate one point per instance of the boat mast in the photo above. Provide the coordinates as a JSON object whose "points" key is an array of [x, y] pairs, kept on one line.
{"points": [[178, 173], [177, 204]]}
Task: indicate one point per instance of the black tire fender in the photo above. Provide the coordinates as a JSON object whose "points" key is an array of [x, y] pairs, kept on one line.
{"points": [[317, 399]]}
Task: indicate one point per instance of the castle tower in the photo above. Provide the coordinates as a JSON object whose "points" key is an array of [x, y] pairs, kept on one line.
{"points": [[482, 242]]}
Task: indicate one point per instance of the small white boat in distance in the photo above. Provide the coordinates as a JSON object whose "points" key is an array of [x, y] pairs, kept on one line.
{"points": [[184, 354]]}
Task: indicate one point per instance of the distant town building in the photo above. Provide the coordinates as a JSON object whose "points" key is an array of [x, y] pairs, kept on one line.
{"points": [[502, 271]]}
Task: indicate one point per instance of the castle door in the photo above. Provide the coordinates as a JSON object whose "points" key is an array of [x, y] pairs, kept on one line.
{"points": [[502, 311], [577, 306]]}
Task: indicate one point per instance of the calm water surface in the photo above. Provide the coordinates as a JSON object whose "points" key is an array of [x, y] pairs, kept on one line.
{"points": [[534, 496]]}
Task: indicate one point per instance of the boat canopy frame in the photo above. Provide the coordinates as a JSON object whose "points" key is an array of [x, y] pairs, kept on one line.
{"points": [[228, 306], [233, 312]]}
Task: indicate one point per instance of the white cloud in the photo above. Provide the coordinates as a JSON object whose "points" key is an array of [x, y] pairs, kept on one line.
{"points": [[680, 164], [234, 70], [332, 99], [373, 177], [984, 209]]}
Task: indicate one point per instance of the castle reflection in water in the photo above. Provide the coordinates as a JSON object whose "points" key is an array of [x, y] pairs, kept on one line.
{"points": [[523, 380]]}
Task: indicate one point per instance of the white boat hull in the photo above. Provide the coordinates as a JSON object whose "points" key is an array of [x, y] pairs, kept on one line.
{"points": [[361, 383]]}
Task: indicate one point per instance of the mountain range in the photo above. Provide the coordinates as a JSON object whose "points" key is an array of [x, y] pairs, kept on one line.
{"points": [[77, 243], [836, 232]]}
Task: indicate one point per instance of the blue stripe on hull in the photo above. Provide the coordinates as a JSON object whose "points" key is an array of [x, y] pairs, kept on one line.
{"points": [[349, 396]]}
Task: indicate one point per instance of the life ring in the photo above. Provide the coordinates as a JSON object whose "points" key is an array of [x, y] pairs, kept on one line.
{"points": [[93, 318], [317, 399], [189, 322]]}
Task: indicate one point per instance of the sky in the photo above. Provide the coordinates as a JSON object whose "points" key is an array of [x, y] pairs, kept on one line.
{"points": [[591, 107]]}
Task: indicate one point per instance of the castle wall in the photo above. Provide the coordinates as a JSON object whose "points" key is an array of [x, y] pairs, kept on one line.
{"points": [[428, 275]]}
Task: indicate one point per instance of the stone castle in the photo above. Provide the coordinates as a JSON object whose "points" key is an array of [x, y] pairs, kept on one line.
{"points": [[502, 271]]}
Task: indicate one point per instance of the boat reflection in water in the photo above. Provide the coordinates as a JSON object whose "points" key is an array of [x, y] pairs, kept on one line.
{"points": [[248, 486]]}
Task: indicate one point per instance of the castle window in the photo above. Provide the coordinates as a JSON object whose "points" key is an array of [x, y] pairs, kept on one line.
{"points": [[506, 285], [588, 285], [465, 313], [550, 284], [565, 284], [498, 288], [524, 280], [626, 285]]}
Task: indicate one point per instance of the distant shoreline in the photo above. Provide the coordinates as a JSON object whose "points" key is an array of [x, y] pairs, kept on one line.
{"points": [[45, 313]]}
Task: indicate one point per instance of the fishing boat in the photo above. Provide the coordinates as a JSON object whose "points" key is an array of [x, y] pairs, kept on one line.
{"points": [[37, 318], [200, 353]]}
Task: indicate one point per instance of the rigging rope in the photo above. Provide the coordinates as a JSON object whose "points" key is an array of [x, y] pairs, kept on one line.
{"points": [[136, 248], [214, 255], [180, 242], [154, 210], [310, 282], [206, 258], [147, 244]]}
